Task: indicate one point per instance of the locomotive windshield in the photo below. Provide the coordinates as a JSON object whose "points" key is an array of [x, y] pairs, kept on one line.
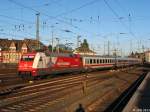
{"points": [[27, 58]]}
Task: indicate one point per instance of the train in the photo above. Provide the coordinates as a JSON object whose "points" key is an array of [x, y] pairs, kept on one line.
{"points": [[39, 64]]}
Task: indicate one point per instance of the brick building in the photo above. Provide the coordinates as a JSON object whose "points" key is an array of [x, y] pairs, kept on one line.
{"points": [[11, 50]]}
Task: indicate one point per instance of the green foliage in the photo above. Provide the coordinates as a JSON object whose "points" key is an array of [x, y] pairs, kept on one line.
{"points": [[85, 44], [62, 49], [50, 47]]}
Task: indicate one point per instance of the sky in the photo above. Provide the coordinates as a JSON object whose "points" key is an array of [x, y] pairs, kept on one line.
{"points": [[119, 24]]}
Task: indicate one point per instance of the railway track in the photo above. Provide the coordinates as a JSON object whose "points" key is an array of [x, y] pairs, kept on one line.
{"points": [[8, 76], [62, 93], [10, 81]]}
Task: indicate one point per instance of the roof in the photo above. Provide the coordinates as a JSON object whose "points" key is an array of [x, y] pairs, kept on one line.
{"points": [[83, 50], [4, 44], [30, 43]]}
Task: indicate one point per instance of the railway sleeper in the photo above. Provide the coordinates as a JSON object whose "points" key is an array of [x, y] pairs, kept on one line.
{"points": [[11, 89]]}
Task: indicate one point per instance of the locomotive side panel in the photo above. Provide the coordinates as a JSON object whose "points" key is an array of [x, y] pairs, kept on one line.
{"points": [[67, 64]]}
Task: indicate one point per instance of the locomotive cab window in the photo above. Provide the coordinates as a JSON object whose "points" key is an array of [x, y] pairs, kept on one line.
{"points": [[27, 58]]}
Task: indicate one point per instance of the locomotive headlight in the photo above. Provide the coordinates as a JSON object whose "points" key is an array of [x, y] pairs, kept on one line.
{"points": [[34, 73]]}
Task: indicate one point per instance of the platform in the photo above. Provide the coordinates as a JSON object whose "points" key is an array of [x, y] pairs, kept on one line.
{"points": [[140, 101]]}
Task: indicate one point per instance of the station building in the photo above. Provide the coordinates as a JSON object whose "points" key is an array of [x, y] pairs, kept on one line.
{"points": [[84, 51]]}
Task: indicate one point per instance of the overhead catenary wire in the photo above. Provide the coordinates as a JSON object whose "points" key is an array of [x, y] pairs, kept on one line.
{"points": [[128, 15], [55, 18], [15, 27], [124, 10], [118, 17], [51, 17], [12, 35], [16, 19], [78, 8], [18, 27]]}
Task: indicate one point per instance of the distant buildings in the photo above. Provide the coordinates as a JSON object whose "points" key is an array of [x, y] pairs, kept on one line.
{"points": [[147, 56], [84, 51], [138, 55], [11, 50]]}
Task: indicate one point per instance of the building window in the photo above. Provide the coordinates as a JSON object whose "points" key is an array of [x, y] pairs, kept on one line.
{"points": [[97, 61], [90, 61], [94, 61], [100, 61]]}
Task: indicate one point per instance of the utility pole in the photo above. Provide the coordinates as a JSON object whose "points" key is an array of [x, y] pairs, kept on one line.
{"points": [[138, 45], [131, 46], [104, 48], [78, 40], [115, 54], [37, 30], [143, 48], [66, 44], [108, 48], [57, 44], [52, 38], [121, 52]]}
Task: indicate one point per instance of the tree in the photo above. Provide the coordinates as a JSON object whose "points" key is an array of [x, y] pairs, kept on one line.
{"points": [[132, 54], [62, 48], [50, 47], [85, 45]]}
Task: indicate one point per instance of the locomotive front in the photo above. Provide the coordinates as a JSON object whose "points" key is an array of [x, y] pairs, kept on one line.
{"points": [[25, 67]]}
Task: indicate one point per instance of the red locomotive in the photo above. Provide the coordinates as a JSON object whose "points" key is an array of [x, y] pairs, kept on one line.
{"points": [[41, 64]]}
